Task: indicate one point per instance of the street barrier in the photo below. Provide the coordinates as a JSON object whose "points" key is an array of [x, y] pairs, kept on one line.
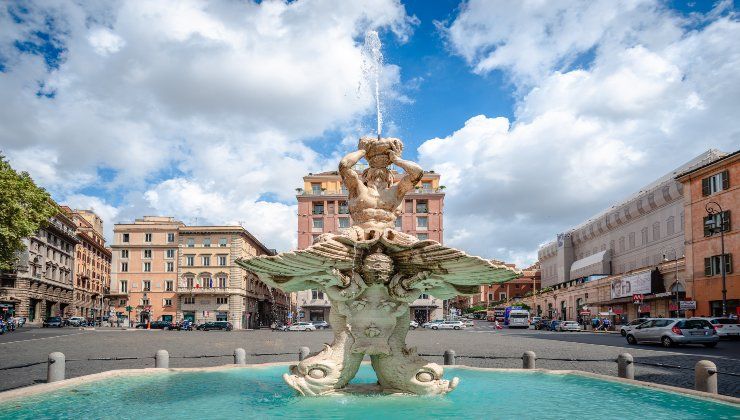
{"points": [[449, 357], [56, 368], [625, 366], [705, 376], [162, 359], [303, 353], [240, 356], [528, 360]]}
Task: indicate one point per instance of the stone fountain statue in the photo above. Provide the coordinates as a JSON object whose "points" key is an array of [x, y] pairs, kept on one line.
{"points": [[371, 273]]}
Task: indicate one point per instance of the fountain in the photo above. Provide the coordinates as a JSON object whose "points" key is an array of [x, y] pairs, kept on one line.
{"points": [[371, 272]]}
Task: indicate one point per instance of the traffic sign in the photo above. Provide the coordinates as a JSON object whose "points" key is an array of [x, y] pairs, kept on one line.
{"points": [[637, 298]]}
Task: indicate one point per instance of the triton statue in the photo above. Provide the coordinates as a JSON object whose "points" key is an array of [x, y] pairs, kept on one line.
{"points": [[371, 273]]}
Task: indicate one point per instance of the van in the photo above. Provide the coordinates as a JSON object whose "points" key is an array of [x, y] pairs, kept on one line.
{"points": [[518, 318]]}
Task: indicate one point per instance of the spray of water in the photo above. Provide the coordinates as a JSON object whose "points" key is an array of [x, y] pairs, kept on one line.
{"points": [[372, 64]]}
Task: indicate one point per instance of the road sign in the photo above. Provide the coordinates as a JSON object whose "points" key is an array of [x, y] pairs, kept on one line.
{"points": [[129, 308], [687, 304], [637, 298]]}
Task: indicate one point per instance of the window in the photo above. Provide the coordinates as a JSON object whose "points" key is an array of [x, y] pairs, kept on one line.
{"points": [[166, 302], [318, 208], [632, 240], [147, 237], [206, 260], [147, 253], [207, 282], [123, 285], [656, 231], [314, 238], [427, 185], [715, 183], [222, 260], [317, 294], [222, 282], [644, 234], [124, 267], [670, 226], [189, 282], [189, 260], [169, 285], [207, 242], [399, 223], [170, 237], [222, 242], [188, 301], [169, 266], [222, 300], [621, 244], [147, 267], [490, 297], [316, 187], [713, 265], [422, 222], [124, 237], [717, 221], [318, 223], [191, 242], [147, 285], [502, 296], [422, 206], [145, 302], [122, 302], [422, 236], [344, 222], [343, 207], [170, 253]]}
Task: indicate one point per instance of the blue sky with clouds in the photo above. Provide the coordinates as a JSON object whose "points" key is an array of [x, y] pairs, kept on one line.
{"points": [[537, 114]]}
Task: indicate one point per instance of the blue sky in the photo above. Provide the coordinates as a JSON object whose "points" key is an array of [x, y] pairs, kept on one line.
{"points": [[537, 114]]}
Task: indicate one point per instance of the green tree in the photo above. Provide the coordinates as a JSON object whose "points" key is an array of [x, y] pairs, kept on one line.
{"points": [[24, 207]]}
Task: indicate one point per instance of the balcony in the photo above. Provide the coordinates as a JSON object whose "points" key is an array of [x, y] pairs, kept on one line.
{"points": [[209, 290]]}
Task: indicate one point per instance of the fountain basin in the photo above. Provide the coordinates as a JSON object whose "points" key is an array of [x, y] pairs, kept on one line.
{"points": [[258, 391]]}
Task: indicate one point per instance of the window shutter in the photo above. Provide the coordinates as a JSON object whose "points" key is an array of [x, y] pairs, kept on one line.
{"points": [[725, 179], [705, 191], [707, 266], [728, 263], [726, 220], [707, 232]]}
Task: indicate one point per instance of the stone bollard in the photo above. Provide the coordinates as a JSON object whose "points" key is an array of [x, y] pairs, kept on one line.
{"points": [[55, 367], [528, 360], [240, 356], [449, 357], [303, 353], [625, 366], [162, 359], [705, 376]]}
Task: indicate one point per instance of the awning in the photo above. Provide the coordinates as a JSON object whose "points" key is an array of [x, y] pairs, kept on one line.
{"points": [[593, 264]]}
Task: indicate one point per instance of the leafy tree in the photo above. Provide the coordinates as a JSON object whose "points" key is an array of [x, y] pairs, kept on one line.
{"points": [[24, 208]]}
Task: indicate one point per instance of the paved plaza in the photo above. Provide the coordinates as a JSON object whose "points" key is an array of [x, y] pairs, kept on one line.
{"points": [[31, 345]]}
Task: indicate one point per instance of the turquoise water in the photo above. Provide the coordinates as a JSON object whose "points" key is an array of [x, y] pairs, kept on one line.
{"points": [[261, 393]]}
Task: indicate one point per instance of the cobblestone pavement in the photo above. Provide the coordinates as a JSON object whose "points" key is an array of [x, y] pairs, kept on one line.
{"points": [[34, 345]]}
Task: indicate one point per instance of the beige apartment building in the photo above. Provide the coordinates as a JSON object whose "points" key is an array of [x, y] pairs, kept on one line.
{"points": [[42, 284], [322, 208], [636, 247], [211, 287], [92, 264], [144, 272]]}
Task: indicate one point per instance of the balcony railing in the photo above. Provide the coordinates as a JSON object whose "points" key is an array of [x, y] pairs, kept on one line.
{"points": [[206, 290]]}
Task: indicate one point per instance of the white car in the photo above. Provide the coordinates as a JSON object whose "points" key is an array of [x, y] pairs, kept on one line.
{"points": [[76, 321], [302, 326], [569, 326], [468, 322], [431, 324], [413, 325], [625, 329], [725, 327], [449, 325]]}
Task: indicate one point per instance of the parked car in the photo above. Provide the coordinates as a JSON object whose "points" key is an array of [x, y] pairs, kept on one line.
{"points": [[77, 321], [542, 324], [158, 325], [468, 322], [448, 325], [569, 326], [553, 325], [302, 326], [320, 325], [430, 324], [534, 321], [631, 325], [725, 327], [53, 321], [671, 331], [413, 325], [216, 325]]}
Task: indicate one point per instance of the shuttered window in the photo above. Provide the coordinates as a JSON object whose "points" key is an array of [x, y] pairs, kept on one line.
{"points": [[715, 183]]}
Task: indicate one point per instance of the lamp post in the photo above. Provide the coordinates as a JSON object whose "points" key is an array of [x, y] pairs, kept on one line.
{"points": [[713, 227], [675, 276]]}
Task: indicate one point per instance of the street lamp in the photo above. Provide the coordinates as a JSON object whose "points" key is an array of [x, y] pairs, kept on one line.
{"points": [[713, 227], [675, 275]]}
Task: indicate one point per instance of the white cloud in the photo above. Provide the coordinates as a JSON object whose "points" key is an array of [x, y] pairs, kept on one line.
{"points": [[654, 95], [214, 95]]}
